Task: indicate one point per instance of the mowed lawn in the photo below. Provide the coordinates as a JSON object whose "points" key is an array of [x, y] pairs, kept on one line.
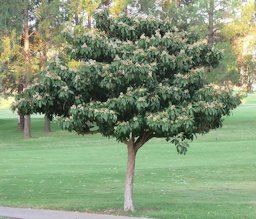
{"points": [[216, 179]]}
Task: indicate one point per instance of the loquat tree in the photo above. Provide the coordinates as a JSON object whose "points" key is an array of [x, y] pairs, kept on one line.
{"points": [[138, 79], [144, 78]]}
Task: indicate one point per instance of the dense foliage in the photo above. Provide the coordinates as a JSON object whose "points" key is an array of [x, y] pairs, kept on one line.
{"points": [[145, 77], [139, 77], [49, 93]]}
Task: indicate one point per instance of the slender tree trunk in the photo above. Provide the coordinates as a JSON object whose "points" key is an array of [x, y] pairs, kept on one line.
{"points": [[89, 21], [254, 16], [77, 13], [27, 122], [26, 38], [21, 117], [76, 20], [126, 10], [47, 124], [43, 58], [128, 193], [210, 23], [106, 3], [21, 122], [27, 127]]}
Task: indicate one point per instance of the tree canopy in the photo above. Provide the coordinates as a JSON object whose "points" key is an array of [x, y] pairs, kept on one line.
{"points": [[137, 74], [137, 78]]}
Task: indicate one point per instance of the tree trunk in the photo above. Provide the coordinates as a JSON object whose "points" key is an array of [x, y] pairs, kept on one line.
{"points": [[76, 20], [21, 117], [27, 127], [43, 58], [126, 10], [89, 22], [210, 23], [254, 15], [106, 3], [21, 122], [47, 124], [128, 192], [26, 38], [27, 121]]}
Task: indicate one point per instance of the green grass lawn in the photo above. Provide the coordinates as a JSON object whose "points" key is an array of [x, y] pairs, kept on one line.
{"points": [[216, 179]]}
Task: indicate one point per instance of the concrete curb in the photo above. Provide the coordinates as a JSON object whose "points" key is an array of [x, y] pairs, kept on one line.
{"points": [[28, 213]]}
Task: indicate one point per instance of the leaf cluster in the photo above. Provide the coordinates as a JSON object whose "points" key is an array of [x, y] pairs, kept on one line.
{"points": [[49, 93]]}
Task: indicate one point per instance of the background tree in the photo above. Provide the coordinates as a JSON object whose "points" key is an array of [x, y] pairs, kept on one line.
{"points": [[81, 11], [10, 16], [240, 32], [48, 94], [21, 27], [8, 50], [146, 6], [119, 6], [209, 19], [34, 37], [51, 18]]}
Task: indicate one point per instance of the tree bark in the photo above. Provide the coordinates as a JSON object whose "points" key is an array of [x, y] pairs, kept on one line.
{"points": [[128, 192], [27, 127], [210, 23], [43, 58], [21, 117], [76, 20], [106, 3], [126, 10], [27, 120], [89, 22], [21, 122], [47, 124], [26, 38]]}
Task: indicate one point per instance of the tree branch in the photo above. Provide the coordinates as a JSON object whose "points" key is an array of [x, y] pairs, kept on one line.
{"points": [[142, 140], [130, 139], [215, 30], [33, 32], [87, 132]]}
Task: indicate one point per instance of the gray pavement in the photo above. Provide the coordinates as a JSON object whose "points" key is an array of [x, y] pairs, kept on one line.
{"points": [[28, 213]]}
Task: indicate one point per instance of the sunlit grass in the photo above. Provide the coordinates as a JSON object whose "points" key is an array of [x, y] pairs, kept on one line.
{"points": [[250, 99], [62, 170]]}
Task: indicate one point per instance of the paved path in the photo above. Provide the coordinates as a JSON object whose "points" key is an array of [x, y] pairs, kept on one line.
{"points": [[28, 213]]}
